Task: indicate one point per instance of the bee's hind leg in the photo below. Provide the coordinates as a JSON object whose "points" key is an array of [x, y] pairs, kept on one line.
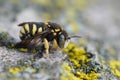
{"points": [[46, 46], [40, 51]]}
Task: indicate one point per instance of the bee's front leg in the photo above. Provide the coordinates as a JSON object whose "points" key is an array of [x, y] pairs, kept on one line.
{"points": [[46, 45], [55, 45]]}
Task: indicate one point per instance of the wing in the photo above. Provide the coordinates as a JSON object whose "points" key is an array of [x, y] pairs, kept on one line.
{"points": [[38, 39], [23, 43], [34, 41]]}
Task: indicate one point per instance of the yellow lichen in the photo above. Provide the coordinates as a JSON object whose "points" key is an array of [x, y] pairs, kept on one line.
{"points": [[91, 76], [76, 54], [115, 66], [14, 70], [78, 57], [67, 75]]}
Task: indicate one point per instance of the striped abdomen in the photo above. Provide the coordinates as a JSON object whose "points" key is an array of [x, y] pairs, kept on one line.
{"points": [[29, 29]]}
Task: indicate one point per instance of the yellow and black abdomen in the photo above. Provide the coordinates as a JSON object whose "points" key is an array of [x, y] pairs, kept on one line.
{"points": [[29, 29]]}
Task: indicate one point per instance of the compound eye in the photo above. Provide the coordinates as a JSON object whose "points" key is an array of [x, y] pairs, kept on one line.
{"points": [[61, 41]]}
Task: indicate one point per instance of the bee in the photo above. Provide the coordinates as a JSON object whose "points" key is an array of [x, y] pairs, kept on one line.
{"points": [[42, 36]]}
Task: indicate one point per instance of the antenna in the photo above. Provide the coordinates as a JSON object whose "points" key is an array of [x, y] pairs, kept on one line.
{"points": [[75, 36]]}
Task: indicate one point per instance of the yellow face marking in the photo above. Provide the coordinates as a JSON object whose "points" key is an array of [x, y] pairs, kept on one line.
{"points": [[27, 27], [22, 30], [34, 29], [57, 30], [40, 29]]}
